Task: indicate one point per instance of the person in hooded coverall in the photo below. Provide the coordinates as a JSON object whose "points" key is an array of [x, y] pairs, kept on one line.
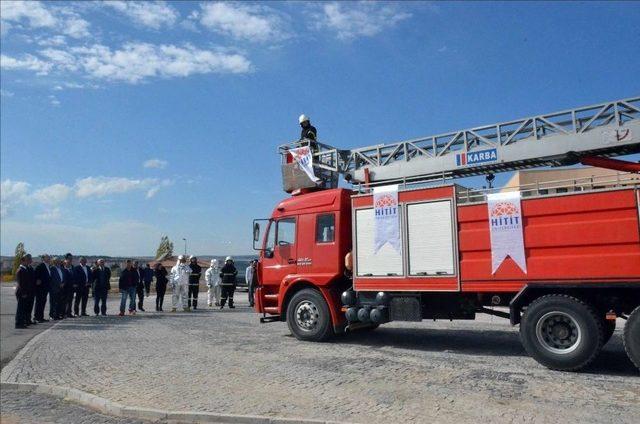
{"points": [[194, 282], [180, 283], [228, 274], [213, 283]]}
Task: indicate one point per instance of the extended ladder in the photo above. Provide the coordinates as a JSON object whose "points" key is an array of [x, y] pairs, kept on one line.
{"points": [[559, 138]]}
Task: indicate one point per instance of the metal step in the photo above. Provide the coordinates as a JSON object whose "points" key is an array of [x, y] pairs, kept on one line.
{"points": [[271, 309]]}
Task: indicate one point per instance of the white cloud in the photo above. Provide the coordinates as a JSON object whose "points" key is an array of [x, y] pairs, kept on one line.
{"points": [[49, 215], [53, 194], [55, 40], [12, 193], [103, 186], [6, 93], [27, 62], [133, 63], [361, 19], [150, 14], [36, 14], [243, 21], [54, 100], [155, 163]]}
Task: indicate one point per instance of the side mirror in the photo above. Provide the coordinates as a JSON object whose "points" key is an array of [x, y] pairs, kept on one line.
{"points": [[257, 237], [256, 232]]}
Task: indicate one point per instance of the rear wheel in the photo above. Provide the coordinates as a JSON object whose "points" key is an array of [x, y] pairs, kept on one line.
{"points": [[561, 332], [631, 337], [308, 316]]}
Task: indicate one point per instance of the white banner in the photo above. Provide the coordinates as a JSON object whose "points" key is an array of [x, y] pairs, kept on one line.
{"points": [[505, 224], [303, 156], [386, 217]]}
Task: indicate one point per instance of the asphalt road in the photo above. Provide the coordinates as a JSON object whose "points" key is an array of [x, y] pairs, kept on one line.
{"points": [[13, 340]]}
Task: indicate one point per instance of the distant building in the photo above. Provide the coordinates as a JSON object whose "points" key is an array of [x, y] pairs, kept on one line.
{"points": [[564, 180]]}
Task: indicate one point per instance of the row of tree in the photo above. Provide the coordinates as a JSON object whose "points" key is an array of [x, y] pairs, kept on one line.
{"points": [[164, 248]]}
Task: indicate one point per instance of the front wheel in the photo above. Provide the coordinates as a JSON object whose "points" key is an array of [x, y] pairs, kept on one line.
{"points": [[561, 332], [631, 337], [308, 316]]}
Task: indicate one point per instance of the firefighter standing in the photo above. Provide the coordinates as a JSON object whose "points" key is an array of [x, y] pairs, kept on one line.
{"points": [[194, 282], [228, 275], [308, 133]]}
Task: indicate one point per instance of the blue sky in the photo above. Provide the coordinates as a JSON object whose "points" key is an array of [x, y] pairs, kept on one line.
{"points": [[124, 121]]}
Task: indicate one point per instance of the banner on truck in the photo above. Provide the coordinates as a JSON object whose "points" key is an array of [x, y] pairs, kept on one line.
{"points": [[505, 225], [303, 156], [386, 218]]}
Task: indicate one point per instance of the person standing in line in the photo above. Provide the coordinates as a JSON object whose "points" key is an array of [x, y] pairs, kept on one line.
{"points": [[84, 279], [228, 275], [139, 285], [147, 275], [128, 284], [249, 276], [57, 301], [43, 287], [161, 285], [70, 285], [23, 288], [31, 298], [213, 283], [194, 282], [101, 287], [180, 283]]}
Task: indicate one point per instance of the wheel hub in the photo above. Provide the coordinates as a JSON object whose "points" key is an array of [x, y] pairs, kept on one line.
{"points": [[558, 332], [307, 315]]}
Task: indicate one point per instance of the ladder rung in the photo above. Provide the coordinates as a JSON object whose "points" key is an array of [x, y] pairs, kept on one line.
{"points": [[271, 309]]}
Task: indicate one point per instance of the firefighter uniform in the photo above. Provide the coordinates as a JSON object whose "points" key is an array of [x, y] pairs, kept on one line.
{"points": [[228, 275]]}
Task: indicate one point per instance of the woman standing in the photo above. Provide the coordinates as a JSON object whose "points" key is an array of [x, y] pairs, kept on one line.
{"points": [[161, 284]]}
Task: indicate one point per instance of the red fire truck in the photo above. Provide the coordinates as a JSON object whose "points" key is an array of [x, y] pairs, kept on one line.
{"points": [[319, 270]]}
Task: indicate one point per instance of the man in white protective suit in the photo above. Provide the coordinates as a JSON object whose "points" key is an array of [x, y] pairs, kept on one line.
{"points": [[180, 283], [213, 283]]}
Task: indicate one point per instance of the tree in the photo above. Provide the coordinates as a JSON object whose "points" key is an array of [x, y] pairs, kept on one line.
{"points": [[165, 248], [20, 252]]}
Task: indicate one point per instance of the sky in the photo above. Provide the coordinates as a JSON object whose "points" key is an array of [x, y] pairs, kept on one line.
{"points": [[124, 121]]}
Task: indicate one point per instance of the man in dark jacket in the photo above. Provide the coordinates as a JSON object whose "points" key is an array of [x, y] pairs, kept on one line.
{"points": [[147, 276], [139, 285], [84, 279], [128, 282], [57, 301], [194, 282], [70, 285], [309, 133], [161, 285], [25, 284], [43, 283], [101, 287], [228, 275]]}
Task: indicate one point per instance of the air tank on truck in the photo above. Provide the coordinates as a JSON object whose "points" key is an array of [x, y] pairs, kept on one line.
{"points": [[384, 233]]}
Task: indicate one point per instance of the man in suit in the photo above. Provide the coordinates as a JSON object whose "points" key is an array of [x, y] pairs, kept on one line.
{"points": [[57, 301], [24, 285], [101, 287], [147, 276], [84, 279], [43, 286], [70, 285], [31, 295], [139, 272]]}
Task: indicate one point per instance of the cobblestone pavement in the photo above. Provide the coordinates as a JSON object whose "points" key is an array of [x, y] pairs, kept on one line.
{"points": [[226, 362], [32, 408]]}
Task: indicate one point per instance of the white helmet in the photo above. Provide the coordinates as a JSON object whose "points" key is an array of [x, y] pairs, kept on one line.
{"points": [[214, 262], [228, 258], [303, 118], [181, 257]]}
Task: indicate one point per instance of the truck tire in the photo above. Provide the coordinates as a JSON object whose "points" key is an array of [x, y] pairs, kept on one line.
{"points": [[609, 327], [631, 337], [308, 316], [561, 332]]}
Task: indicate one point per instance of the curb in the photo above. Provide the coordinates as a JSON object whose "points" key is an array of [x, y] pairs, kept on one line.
{"points": [[108, 407]]}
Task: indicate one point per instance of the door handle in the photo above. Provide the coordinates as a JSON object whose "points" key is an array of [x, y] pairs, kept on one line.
{"points": [[291, 261]]}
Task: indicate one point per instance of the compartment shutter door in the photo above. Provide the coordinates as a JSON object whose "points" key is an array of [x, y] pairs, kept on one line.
{"points": [[387, 262], [430, 238]]}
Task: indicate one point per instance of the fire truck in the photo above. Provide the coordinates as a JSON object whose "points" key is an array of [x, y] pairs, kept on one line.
{"points": [[321, 271]]}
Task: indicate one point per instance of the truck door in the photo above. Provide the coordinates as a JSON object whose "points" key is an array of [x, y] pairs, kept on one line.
{"points": [[281, 252]]}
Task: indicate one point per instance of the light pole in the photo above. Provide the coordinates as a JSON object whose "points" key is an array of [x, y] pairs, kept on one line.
{"points": [[185, 246]]}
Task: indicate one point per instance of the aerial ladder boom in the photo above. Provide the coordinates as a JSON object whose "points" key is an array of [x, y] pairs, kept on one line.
{"points": [[589, 134]]}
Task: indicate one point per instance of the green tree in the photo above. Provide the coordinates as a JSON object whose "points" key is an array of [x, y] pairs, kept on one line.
{"points": [[165, 248], [20, 252]]}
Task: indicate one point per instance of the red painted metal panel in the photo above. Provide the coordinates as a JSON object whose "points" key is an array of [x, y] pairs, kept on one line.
{"points": [[568, 238]]}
